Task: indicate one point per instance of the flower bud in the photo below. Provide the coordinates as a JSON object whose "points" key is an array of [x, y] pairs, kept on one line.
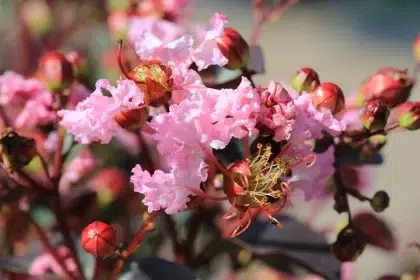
{"points": [[109, 184], [380, 201], [37, 16], [155, 79], [416, 49], [374, 115], [78, 62], [99, 239], [349, 245], [118, 24], [234, 48], [306, 79], [391, 85], [16, 151], [377, 141], [328, 96], [132, 119], [409, 115], [56, 71]]}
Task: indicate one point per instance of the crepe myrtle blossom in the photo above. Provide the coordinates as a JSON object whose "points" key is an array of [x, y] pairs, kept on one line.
{"points": [[185, 135], [157, 42], [29, 100], [93, 119]]}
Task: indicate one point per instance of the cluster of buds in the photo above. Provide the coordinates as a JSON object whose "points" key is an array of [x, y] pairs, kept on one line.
{"points": [[325, 95]]}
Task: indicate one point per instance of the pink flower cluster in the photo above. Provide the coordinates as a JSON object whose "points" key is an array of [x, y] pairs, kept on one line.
{"points": [[166, 41], [93, 118], [30, 96], [186, 134]]}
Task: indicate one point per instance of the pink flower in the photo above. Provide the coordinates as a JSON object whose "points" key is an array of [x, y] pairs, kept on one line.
{"points": [[279, 111], [186, 83], [165, 31], [30, 101], [37, 111], [208, 119], [46, 263], [310, 122], [93, 118], [313, 180], [15, 88], [153, 42], [79, 167], [207, 53]]}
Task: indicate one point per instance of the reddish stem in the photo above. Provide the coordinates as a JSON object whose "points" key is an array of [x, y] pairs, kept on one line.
{"points": [[62, 222], [48, 247], [138, 238], [58, 157]]}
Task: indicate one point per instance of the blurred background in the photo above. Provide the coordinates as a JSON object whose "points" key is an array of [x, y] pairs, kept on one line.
{"points": [[344, 40]]}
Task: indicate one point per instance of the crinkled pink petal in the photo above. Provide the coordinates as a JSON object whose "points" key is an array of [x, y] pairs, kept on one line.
{"points": [[163, 30], [208, 119], [351, 117], [207, 52], [163, 190], [93, 119], [313, 180], [150, 47], [186, 83]]}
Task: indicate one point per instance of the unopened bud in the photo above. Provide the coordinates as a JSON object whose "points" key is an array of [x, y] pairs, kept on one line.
{"points": [[78, 62], [416, 49], [118, 24], [99, 239], [349, 245], [328, 96], [391, 85], [234, 48], [37, 16], [132, 119], [409, 115], [306, 79], [56, 71], [377, 141], [16, 151], [380, 201], [374, 115]]}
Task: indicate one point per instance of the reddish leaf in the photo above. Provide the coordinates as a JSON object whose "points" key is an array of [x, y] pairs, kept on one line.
{"points": [[378, 233]]}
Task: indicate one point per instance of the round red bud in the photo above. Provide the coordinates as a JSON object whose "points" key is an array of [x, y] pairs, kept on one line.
{"points": [[306, 79], [99, 239], [132, 119], [329, 96], [374, 115], [391, 85], [234, 47], [56, 71]]}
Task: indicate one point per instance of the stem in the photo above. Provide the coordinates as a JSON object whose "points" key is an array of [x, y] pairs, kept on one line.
{"points": [[48, 247], [248, 75], [98, 269], [63, 226], [173, 235], [133, 245], [356, 194], [45, 169], [58, 157]]}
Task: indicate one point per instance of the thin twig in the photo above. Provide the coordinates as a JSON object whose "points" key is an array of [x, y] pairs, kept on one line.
{"points": [[48, 247], [134, 243], [58, 157]]}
